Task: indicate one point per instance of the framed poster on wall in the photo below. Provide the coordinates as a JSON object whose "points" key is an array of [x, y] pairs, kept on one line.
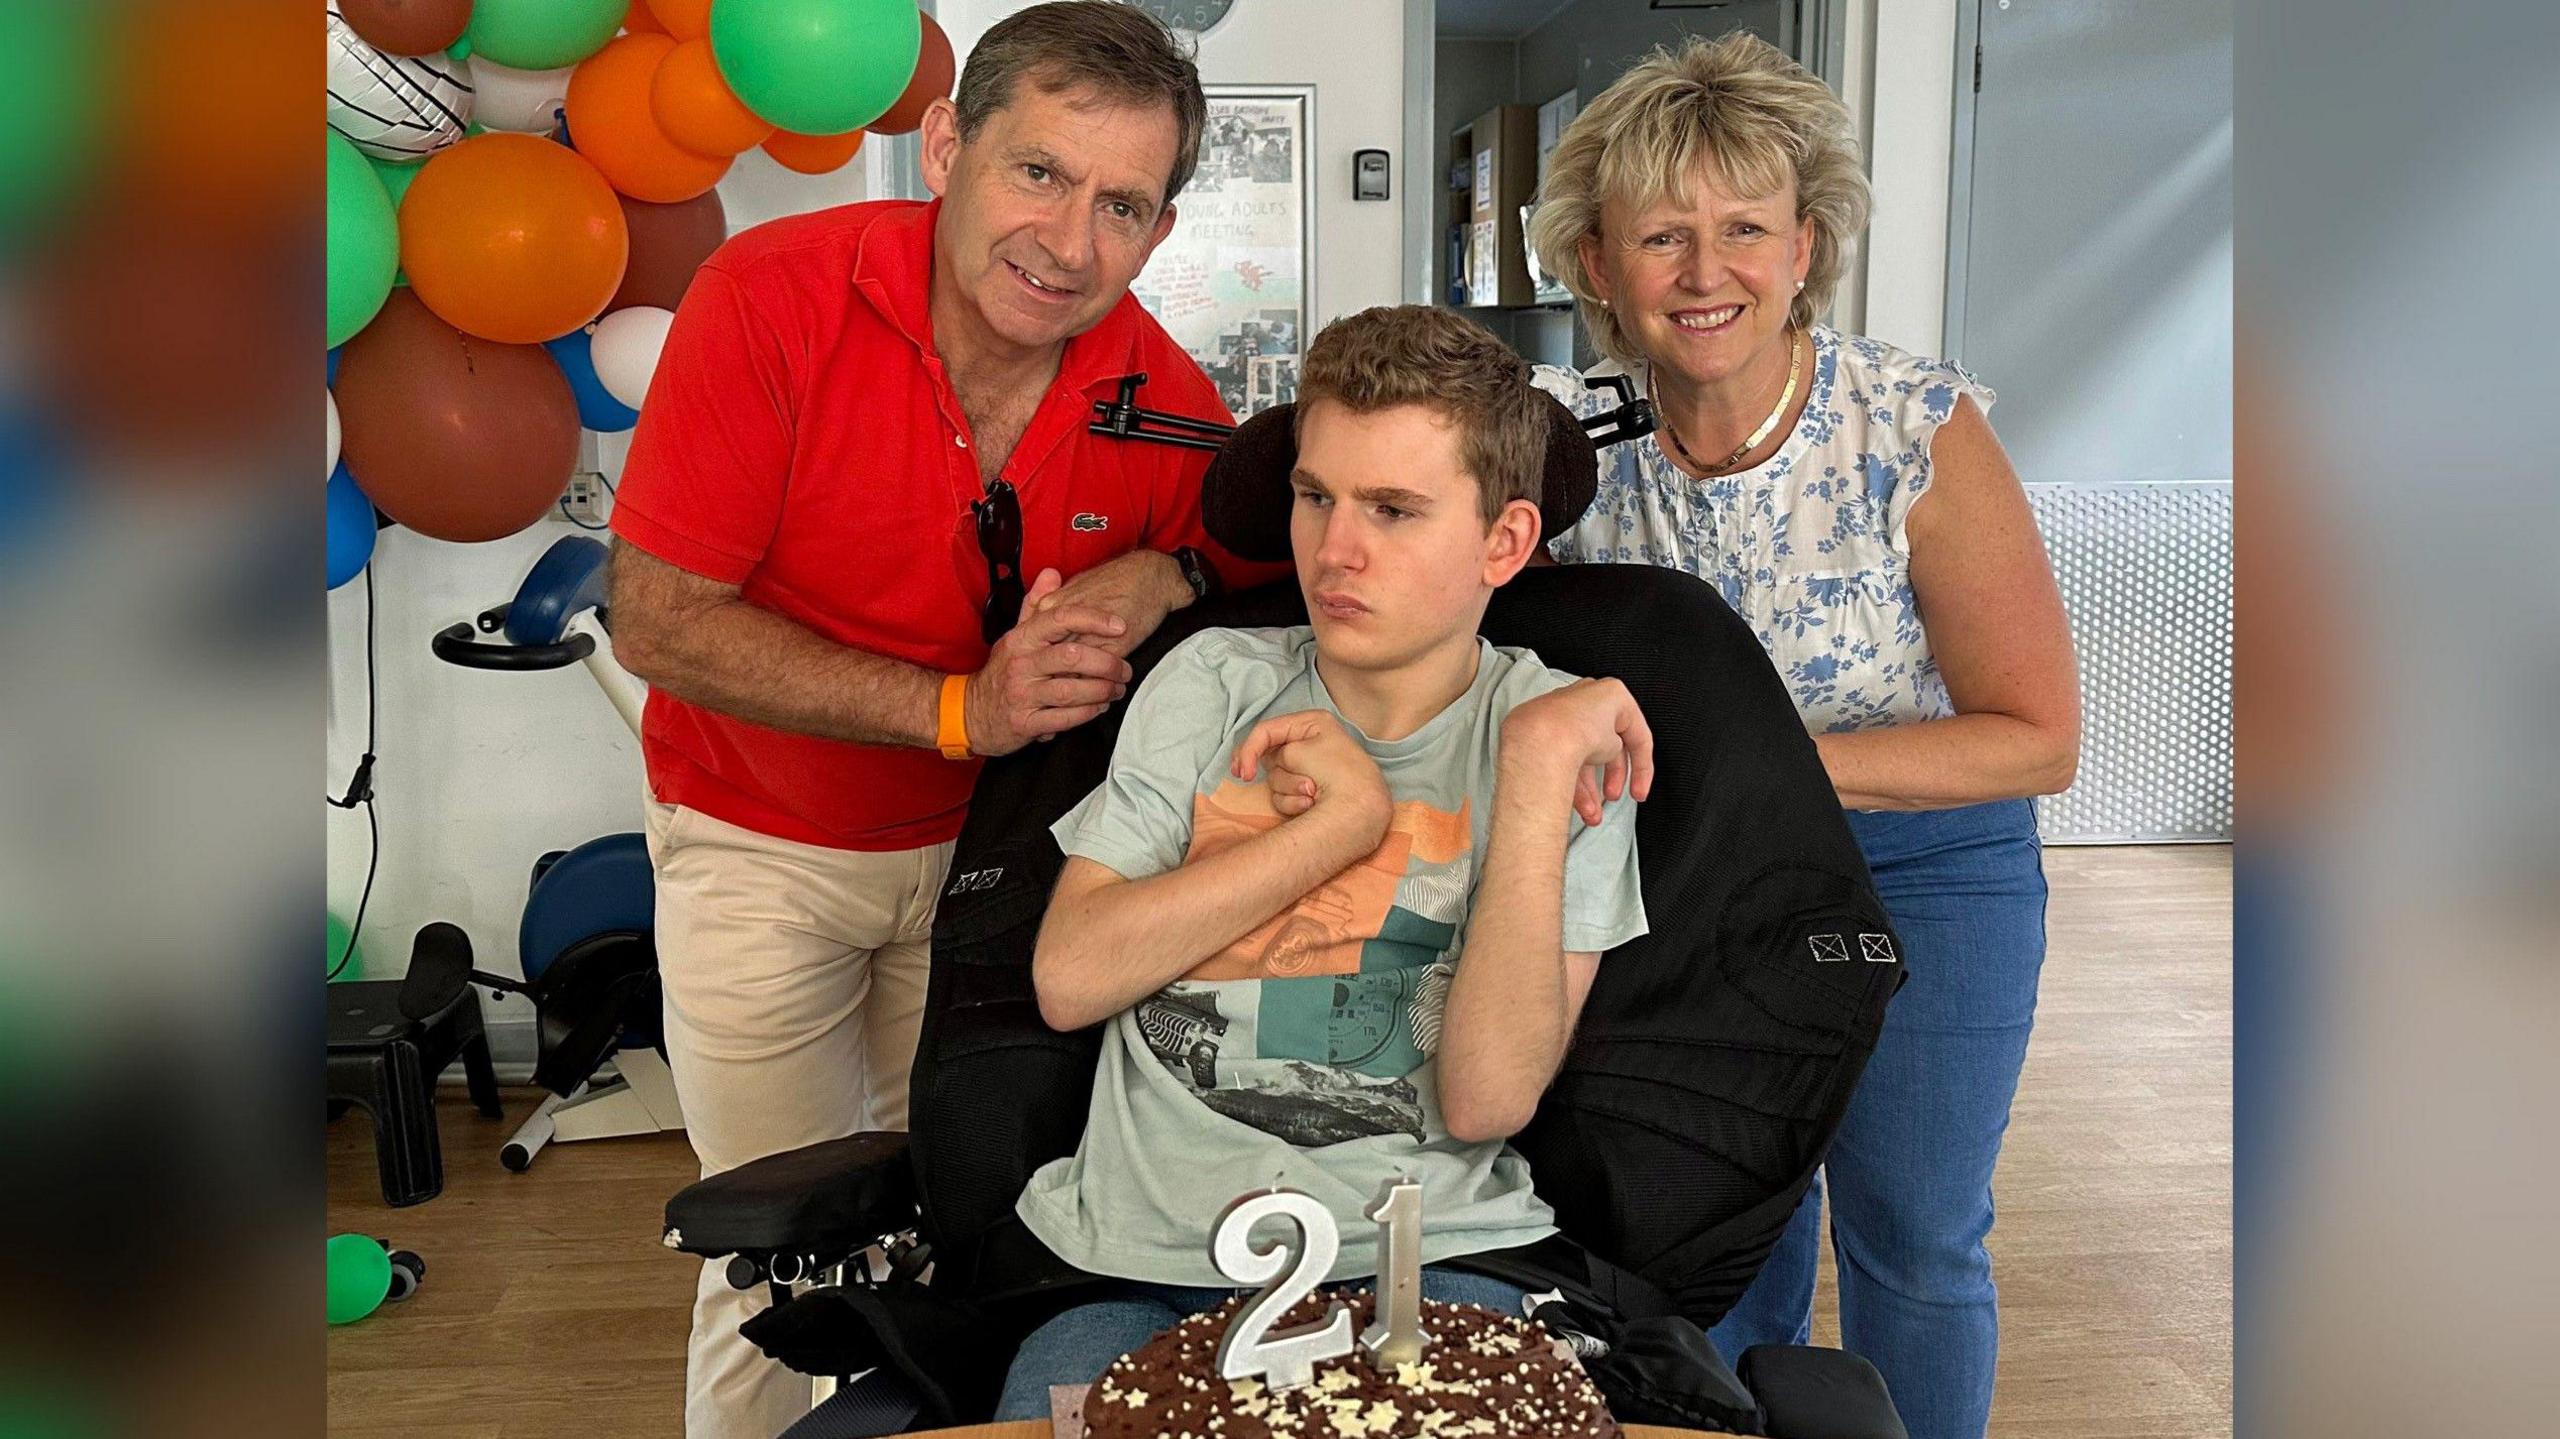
{"points": [[1230, 283]]}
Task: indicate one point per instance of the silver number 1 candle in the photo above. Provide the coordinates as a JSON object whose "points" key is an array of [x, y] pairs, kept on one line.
{"points": [[1395, 1336]]}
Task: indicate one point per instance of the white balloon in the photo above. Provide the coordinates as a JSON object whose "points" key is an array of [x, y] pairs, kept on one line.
{"points": [[394, 107], [625, 350], [333, 433], [528, 102]]}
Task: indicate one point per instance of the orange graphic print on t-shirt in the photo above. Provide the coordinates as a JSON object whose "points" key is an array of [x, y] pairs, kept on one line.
{"points": [[1326, 931]]}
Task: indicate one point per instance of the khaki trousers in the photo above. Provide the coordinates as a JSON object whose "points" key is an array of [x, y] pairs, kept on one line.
{"points": [[794, 978]]}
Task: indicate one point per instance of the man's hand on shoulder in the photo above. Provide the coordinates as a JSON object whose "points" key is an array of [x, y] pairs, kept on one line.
{"points": [[1317, 768], [1140, 588], [1589, 735]]}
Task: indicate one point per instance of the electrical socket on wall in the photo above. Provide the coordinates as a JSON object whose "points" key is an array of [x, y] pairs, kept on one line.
{"points": [[585, 501]]}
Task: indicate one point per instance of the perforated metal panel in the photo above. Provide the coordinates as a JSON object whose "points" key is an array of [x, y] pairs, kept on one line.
{"points": [[2145, 571]]}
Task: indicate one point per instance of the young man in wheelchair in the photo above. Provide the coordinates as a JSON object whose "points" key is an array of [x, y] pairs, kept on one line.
{"points": [[1346, 887]]}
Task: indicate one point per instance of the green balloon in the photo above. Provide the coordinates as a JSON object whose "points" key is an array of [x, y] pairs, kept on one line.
{"points": [[364, 241], [55, 76], [395, 180], [359, 1277], [542, 34], [30, 1409], [342, 944], [395, 177], [817, 67]]}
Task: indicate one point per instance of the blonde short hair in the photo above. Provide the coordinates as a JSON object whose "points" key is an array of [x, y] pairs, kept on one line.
{"points": [[1737, 108], [1395, 355]]}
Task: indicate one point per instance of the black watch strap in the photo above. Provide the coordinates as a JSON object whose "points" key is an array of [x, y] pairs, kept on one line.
{"points": [[1196, 572]]}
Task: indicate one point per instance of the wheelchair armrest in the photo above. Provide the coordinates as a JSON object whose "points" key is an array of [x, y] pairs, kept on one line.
{"points": [[825, 1201], [1809, 1393]]}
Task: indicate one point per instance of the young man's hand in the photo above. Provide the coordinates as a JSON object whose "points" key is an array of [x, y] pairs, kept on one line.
{"points": [[1590, 731], [1317, 768]]}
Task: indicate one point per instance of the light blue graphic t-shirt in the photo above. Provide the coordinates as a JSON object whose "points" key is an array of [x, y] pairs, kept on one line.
{"points": [[1301, 1054]]}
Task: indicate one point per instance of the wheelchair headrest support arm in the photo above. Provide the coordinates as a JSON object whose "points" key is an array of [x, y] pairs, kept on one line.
{"points": [[1123, 418]]}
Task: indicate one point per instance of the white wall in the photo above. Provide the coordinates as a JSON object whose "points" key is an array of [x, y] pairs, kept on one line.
{"points": [[1352, 52], [1856, 83], [1908, 109], [479, 773]]}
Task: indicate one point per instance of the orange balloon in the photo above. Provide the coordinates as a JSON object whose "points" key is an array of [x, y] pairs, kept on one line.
{"points": [[931, 81], [697, 109], [813, 154], [641, 20], [611, 122], [168, 64], [513, 238], [684, 19]]}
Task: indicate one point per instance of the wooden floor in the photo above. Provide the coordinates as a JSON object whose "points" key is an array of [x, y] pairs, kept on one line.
{"points": [[550, 1310]]}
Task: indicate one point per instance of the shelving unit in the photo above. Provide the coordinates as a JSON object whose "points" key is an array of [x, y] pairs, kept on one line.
{"points": [[1493, 172]]}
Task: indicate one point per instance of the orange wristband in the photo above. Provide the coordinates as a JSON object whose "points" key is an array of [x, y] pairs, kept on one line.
{"points": [[953, 733]]}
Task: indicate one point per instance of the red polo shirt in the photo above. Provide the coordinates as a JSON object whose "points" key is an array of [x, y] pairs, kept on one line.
{"points": [[802, 441]]}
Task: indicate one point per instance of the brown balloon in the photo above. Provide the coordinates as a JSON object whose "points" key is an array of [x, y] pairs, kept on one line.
{"points": [[668, 243], [457, 438], [930, 82], [407, 27]]}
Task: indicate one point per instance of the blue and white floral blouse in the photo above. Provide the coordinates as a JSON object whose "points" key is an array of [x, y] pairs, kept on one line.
{"points": [[1809, 547]]}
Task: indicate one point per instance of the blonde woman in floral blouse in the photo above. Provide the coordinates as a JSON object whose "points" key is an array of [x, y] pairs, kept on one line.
{"points": [[1849, 500]]}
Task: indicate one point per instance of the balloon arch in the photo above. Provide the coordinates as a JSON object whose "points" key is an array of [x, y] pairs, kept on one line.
{"points": [[519, 192]]}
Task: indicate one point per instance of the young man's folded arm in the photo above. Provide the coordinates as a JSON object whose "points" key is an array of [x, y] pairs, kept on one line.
{"points": [[1110, 941], [1518, 992]]}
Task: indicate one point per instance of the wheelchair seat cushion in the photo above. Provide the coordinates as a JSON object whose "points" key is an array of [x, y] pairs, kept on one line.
{"points": [[828, 1200]]}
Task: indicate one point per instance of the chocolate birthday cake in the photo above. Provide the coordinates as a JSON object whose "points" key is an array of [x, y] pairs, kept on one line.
{"points": [[1482, 1375]]}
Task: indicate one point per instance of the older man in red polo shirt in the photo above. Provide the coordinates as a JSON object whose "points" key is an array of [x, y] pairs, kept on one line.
{"points": [[865, 539]]}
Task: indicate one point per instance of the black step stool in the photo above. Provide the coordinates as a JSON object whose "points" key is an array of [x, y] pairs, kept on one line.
{"points": [[387, 1063]]}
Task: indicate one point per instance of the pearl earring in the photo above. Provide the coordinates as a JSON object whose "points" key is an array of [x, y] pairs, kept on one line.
{"points": [[1799, 284]]}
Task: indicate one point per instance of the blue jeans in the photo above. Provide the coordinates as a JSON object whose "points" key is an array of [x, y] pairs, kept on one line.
{"points": [[1080, 1343], [1909, 1176]]}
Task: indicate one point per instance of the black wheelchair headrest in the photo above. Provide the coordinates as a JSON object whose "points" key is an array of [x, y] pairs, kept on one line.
{"points": [[1245, 497]]}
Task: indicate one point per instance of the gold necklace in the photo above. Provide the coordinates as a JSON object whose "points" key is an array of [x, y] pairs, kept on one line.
{"points": [[1795, 367]]}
